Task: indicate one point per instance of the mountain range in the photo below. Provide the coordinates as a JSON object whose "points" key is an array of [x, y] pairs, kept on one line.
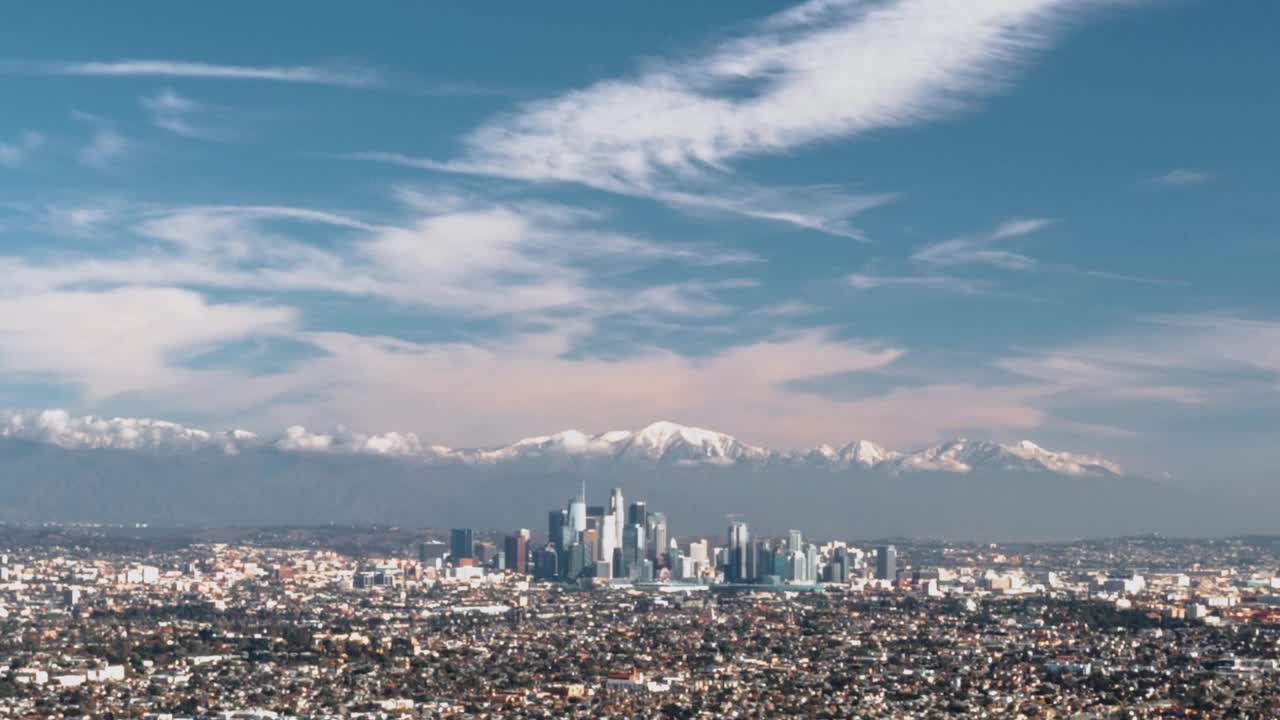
{"points": [[59, 467], [660, 442]]}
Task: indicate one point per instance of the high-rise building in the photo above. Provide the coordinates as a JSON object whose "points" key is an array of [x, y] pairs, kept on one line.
{"points": [[811, 563], [558, 529], [796, 566], [698, 551], [514, 553], [739, 553], [429, 552], [462, 544], [618, 510], [886, 562], [546, 563], [656, 535], [577, 517], [609, 537], [638, 514], [838, 568], [578, 561], [762, 553], [795, 540], [633, 544]]}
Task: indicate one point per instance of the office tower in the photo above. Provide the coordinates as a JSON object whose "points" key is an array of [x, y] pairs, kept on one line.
{"points": [[577, 517], [558, 529], [429, 552], [604, 569], [609, 537], [618, 510], [633, 544], [811, 563], [546, 563], [646, 573], [656, 535], [796, 566], [762, 550], [638, 514], [838, 569], [578, 561], [591, 542], [698, 551], [795, 541], [461, 544], [619, 562], [739, 551], [513, 548], [886, 562], [779, 560]]}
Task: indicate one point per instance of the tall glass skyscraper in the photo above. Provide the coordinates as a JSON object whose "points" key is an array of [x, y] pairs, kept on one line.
{"points": [[462, 543], [739, 553], [618, 509], [886, 562]]}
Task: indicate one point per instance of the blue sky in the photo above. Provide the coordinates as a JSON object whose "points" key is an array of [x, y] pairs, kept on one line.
{"points": [[902, 221]]}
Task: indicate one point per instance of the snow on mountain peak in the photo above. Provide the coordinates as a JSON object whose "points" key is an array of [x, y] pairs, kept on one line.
{"points": [[866, 453], [58, 427], [962, 456], [664, 441]]}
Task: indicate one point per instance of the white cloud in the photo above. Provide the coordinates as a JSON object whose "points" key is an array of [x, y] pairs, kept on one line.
{"points": [[823, 70], [1181, 177], [786, 309], [122, 340], [63, 429], [471, 258], [1192, 359], [979, 250], [470, 394], [343, 76], [14, 154], [869, 281]]}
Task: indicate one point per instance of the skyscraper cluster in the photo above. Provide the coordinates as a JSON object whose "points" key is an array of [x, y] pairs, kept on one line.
{"points": [[618, 541], [604, 541]]}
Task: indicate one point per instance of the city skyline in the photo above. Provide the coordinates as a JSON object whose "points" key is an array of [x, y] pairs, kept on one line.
{"points": [[795, 225]]}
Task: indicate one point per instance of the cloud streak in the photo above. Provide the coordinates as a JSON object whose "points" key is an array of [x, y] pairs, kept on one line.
{"points": [[340, 76], [1181, 177], [824, 70], [980, 251]]}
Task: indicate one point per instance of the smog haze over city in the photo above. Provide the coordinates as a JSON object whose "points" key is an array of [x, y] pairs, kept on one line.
{"points": [[831, 358]]}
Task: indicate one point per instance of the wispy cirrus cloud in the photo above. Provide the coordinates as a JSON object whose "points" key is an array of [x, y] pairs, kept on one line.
{"points": [[468, 257], [1189, 359], [337, 75], [826, 69], [980, 250], [187, 117], [1181, 177], [871, 281]]}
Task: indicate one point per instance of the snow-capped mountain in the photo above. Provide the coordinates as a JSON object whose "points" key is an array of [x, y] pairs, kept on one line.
{"points": [[961, 456], [660, 442], [58, 427]]}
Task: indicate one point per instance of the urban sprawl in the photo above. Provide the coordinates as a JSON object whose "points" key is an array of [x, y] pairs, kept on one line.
{"points": [[612, 615]]}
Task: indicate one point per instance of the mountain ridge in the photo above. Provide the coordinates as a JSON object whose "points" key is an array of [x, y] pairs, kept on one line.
{"points": [[659, 442]]}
